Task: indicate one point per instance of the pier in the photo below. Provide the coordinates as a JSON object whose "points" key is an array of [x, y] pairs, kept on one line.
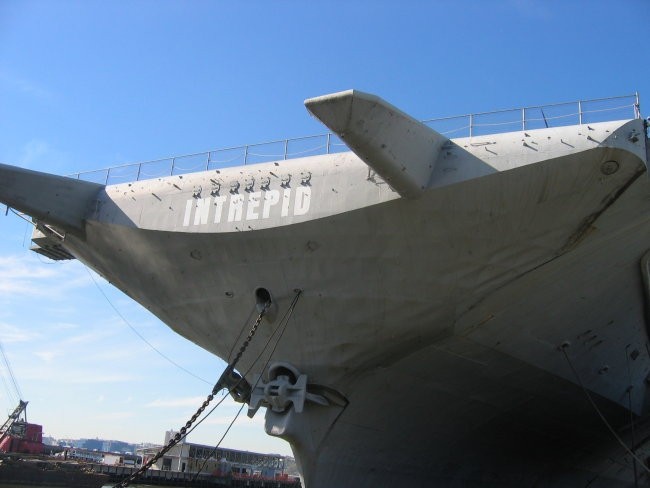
{"points": [[176, 478]]}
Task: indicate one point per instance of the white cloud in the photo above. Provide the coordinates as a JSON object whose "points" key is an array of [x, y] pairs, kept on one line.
{"points": [[63, 326], [69, 374], [18, 267], [11, 333], [126, 352], [89, 337], [242, 420], [93, 377], [22, 275], [41, 155], [114, 416], [47, 356], [177, 402], [226, 403], [33, 152], [26, 86]]}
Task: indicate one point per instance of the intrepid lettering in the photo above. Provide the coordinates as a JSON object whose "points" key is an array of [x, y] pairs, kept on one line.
{"points": [[250, 206]]}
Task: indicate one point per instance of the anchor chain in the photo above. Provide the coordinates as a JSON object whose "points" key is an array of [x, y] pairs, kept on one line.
{"points": [[228, 373]]}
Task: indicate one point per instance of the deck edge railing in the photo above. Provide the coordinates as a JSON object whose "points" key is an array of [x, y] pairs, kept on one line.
{"points": [[469, 125]]}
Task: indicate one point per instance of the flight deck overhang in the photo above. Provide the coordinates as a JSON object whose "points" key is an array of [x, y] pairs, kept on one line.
{"points": [[55, 200], [402, 150]]}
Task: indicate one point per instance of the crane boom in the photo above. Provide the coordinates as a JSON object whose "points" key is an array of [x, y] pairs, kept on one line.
{"points": [[11, 420]]}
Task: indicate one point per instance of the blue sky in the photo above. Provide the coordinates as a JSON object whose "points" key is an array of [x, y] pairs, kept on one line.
{"points": [[85, 85]]}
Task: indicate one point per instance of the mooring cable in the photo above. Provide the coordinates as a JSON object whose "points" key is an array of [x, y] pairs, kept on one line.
{"points": [[188, 428], [241, 332], [285, 319], [135, 331], [229, 369], [629, 398], [11, 373], [282, 326], [600, 414], [182, 433], [232, 422]]}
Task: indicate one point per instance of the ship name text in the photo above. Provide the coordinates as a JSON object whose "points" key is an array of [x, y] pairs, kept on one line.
{"points": [[236, 207]]}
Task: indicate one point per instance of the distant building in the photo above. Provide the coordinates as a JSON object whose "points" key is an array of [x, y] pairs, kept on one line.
{"points": [[103, 445], [72, 442], [101, 457], [191, 458], [88, 455], [49, 441], [117, 446], [91, 444]]}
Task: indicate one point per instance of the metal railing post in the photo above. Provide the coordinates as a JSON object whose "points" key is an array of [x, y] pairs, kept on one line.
{"points": [[327, 144], [245, 154], [286, 148], [108, 174], [207, 162], [171, 172], [137, 177], [580, 112], [523, 119], [471, 123], [637, 106]]}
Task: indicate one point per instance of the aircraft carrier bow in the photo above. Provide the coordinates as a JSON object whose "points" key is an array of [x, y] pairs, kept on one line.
{"points": [[473, 311]]}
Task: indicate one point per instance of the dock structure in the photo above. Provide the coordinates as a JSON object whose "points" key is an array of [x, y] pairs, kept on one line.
{"points": [[189, 464], [49, 471], [157, 477]]}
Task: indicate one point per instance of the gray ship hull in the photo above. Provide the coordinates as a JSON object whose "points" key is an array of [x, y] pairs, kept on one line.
{"points": [[428, 333], [453, 337]]}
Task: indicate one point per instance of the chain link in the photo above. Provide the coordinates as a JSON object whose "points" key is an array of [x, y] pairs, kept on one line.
{"points": [[217, 387]]}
